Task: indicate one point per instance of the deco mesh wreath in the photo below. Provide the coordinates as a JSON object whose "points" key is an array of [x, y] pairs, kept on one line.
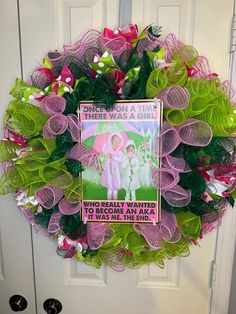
{"points": [[43, 158]]}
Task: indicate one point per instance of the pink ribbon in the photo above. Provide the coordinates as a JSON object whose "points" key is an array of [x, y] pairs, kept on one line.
{"points": [[10, 135], [129, 33], [66, 76], [119, 40]]}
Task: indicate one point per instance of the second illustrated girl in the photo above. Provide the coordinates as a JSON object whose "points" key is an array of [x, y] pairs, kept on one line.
{"points": [[130, 171]]}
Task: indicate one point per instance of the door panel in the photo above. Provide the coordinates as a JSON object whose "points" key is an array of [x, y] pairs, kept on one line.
{"points": [[205, 24], [16, 269], [183, 286]]}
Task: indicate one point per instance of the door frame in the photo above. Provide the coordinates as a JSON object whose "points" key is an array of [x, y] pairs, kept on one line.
{"points": [[222, 265], [226, 233]]}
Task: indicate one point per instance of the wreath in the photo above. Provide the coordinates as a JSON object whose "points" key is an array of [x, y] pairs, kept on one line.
{"points": [[43, 157]]}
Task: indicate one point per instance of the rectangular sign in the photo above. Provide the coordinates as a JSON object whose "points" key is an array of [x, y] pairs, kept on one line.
{"points": [[126, 141]]}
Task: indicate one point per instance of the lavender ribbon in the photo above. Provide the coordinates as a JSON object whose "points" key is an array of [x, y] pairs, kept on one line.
{"points": [[49, 196], [53, 104], [192, 132], [59, 123], [167, 230], [67, 208]]}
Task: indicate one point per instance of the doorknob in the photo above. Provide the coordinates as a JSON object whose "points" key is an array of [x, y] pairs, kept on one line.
{"points": [[18, 303], [52, 306]]}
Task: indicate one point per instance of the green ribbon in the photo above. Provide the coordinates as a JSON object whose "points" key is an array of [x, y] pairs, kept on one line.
{"points": [[29, 121], [23, 91], [71, 223], [73, 193], [156, 82], [156, 56], [133, 74], [8, 150], [175, 116], [106, 64], [189, 224], [193, 180]]}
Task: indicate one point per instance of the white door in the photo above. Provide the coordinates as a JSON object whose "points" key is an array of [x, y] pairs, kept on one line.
{"points": [[183, 286], [16, 266]]}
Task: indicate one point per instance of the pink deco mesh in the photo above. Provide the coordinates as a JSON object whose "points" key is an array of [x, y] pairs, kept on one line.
{"points": [[77, 49], [115, 46], [96, 232], [228, 89], [195, 132], [201, 68], [56, 58], [54, 226], [74, 127], [169, 139], [53, 104], [86, 156], [146, 44], [114, 258], [174, 97], [167, 230], [55, 125], [67, 208], [165, 179], [92, 38], [171, 45], [177, 196], [176, 163], [49, 196], [40, 79], [212, 220]]}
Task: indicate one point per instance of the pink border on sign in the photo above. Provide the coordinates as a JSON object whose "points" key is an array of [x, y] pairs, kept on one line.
{"points": [[120, 211]]}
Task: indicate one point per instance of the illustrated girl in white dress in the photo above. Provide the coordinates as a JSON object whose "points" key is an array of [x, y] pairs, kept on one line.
{"points": [[111, 178], [130, 171]]}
